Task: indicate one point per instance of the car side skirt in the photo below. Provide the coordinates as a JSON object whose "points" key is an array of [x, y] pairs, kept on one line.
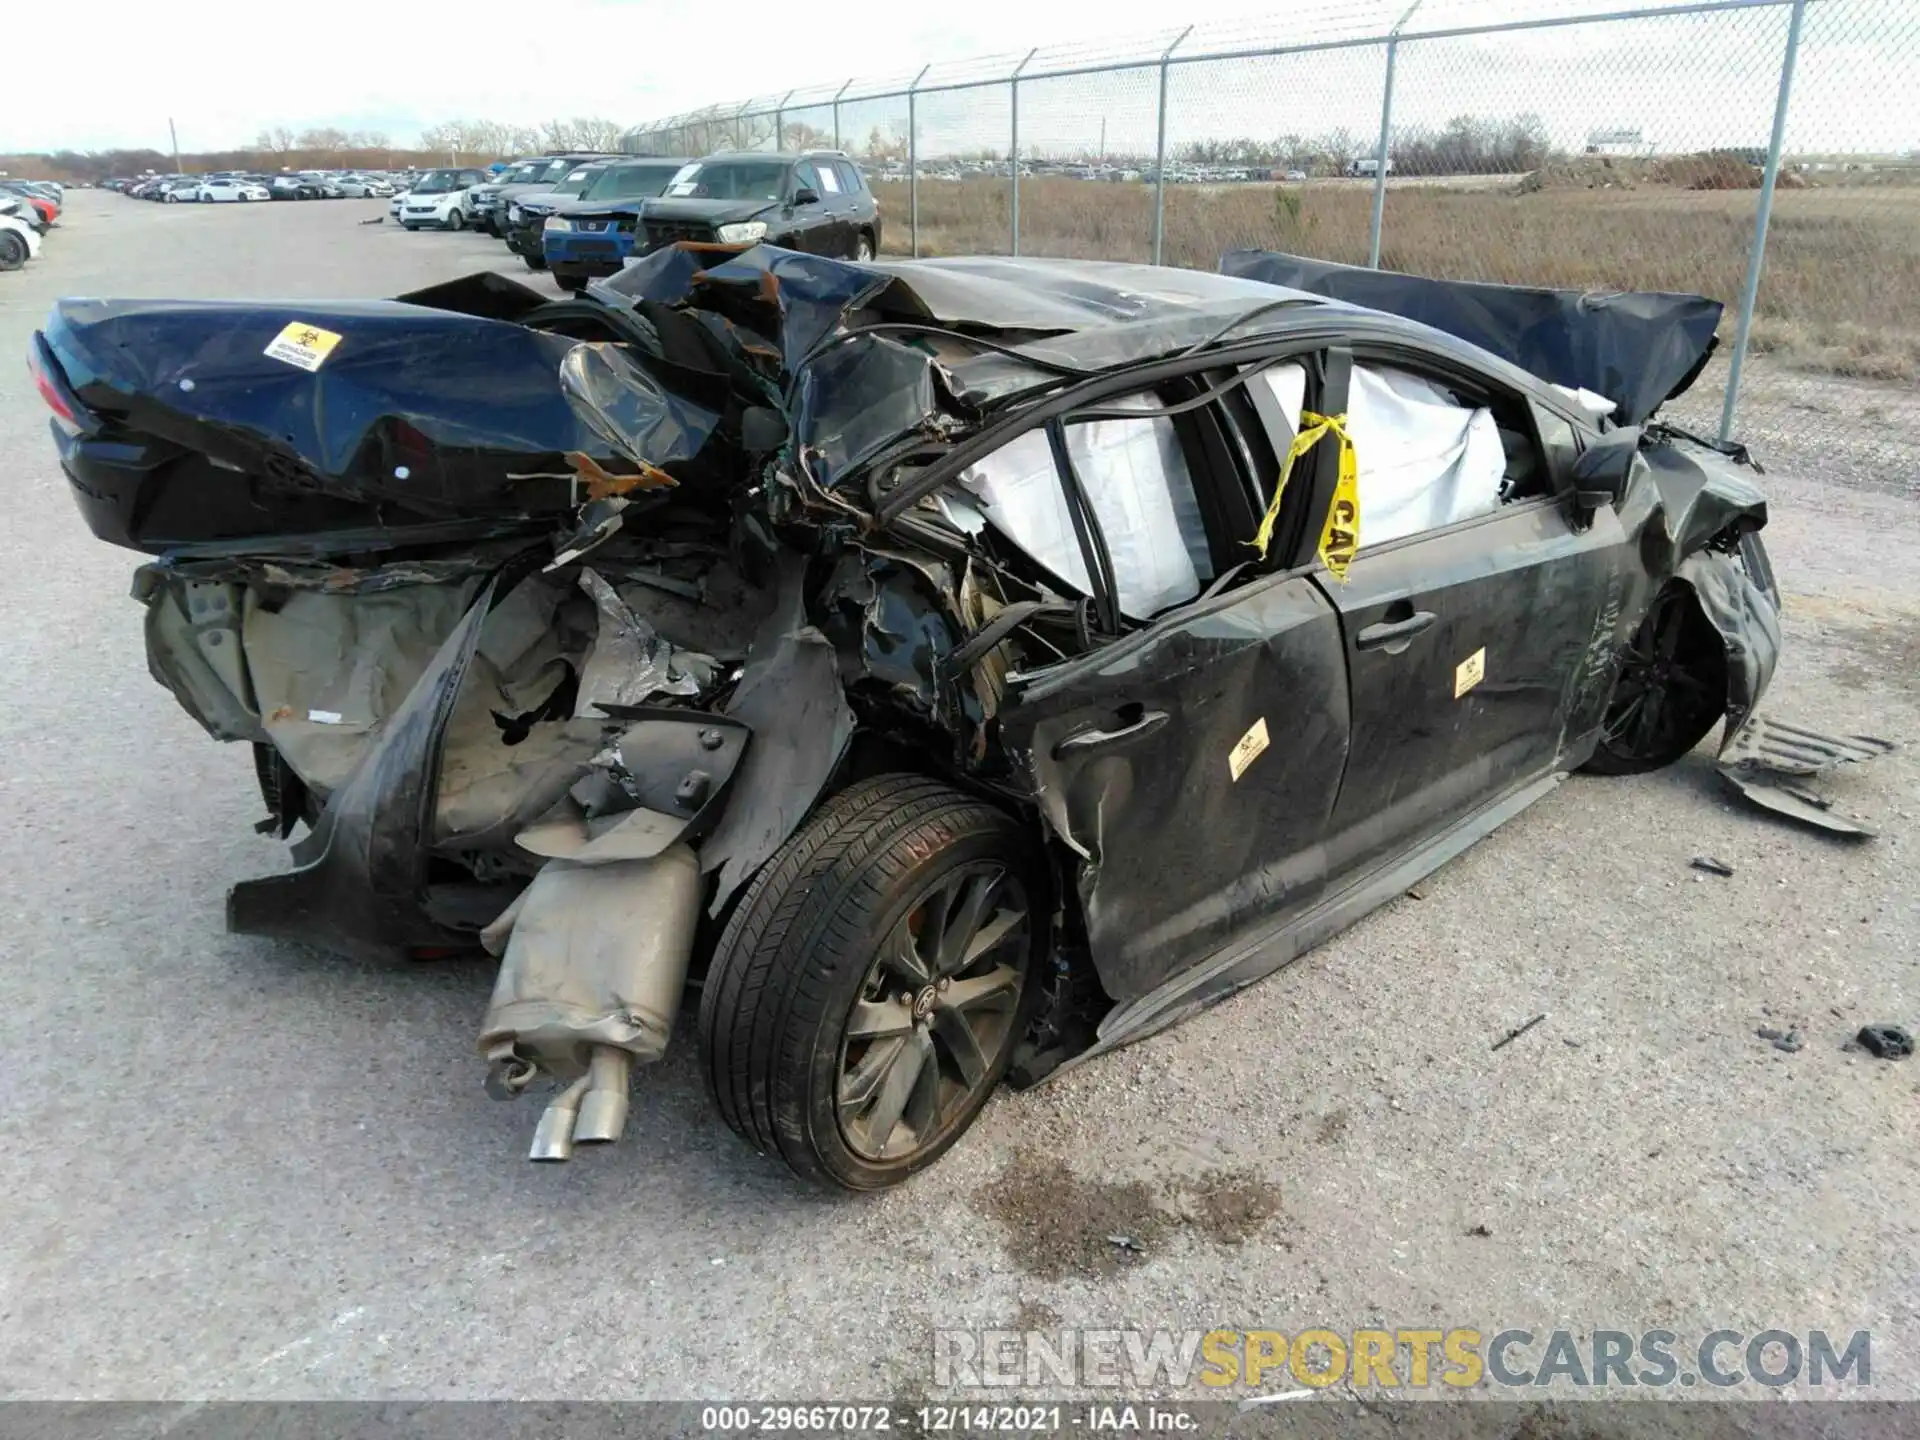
{"points": [[1241, 964]]}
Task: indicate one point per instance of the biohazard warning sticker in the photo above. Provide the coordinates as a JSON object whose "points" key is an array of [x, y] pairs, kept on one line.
{"points": [[304, 345], [1469, 672], [1248, 748]]}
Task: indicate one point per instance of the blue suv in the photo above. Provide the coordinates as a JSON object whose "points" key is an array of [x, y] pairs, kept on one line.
{"points": [[594, 234]]}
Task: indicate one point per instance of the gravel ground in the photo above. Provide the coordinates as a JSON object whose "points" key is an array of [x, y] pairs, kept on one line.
{"points": [[237, 1168]]}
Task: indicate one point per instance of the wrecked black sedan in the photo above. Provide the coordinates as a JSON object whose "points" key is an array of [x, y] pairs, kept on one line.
{"points": [[955, 668]]}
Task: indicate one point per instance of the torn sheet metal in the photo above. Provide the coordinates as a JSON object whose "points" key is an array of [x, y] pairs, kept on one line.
{"points": [[1766, 761], [790, 696], [634, 413], [361, 886], [630, 662], [1747, 621], [1764, 743], [1635, 349], [1793, 802]]}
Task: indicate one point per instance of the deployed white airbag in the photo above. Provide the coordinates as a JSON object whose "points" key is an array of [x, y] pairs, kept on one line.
{"points": [[1135, 475], [1425, 460]]}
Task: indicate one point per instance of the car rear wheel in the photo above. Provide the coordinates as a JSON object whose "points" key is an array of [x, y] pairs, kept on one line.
{"points": [[13, 250], [868, 993], [1670, 691], [863, 247], [172, 199]]}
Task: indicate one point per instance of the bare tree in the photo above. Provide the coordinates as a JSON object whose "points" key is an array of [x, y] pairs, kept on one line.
{"points": [[582, 132]]}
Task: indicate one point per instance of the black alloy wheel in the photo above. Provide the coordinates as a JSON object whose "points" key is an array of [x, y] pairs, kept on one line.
{"points": [[1670, 691]]}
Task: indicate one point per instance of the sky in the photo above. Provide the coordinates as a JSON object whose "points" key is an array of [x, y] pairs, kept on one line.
{"points": [[223, 70]]}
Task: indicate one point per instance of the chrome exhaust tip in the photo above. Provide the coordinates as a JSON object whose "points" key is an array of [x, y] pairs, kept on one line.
{"points": [[603, 1111], [553, 1136]]}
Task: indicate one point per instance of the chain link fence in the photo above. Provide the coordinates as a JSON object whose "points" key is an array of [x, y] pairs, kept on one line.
{"points": [[1763, 152]]}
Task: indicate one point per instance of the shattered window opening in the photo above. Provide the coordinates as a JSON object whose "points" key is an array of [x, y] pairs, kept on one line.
{"points": [[1136, 477]]}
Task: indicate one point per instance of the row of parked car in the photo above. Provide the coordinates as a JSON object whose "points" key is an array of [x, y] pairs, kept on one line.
{"points": [[582, 214], [28, 210], [236, 185]]}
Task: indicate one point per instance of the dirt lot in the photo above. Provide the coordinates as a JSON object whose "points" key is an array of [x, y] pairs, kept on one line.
{"points": [[1841, 292], [236, 1168]]}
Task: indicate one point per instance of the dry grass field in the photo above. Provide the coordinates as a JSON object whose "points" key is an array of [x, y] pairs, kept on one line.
{"points": [[1840, 295]]}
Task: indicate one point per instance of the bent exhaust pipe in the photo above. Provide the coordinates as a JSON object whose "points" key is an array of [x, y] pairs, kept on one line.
{"points": [[595, 962], [553, 1136], [603, 1110], [590, 1111]]}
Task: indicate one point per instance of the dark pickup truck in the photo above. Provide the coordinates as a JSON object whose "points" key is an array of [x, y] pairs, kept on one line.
{"points": [[815, 201]]}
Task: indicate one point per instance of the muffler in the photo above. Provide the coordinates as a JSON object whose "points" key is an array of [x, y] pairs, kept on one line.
{"points": [[596, 960]]}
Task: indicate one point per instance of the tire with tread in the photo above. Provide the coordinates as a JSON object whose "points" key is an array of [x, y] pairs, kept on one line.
{"points": [[13, 251], [797, 950]]}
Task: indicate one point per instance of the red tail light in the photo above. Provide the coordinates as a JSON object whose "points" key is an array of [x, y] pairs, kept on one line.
{"points": [[50, 392]]}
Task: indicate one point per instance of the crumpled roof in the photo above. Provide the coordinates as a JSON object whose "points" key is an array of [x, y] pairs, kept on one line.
{"points": [[1637, 348], [814, 295]]}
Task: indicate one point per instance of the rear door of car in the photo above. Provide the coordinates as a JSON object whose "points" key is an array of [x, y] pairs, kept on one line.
{"points": [[1194, 761], [1474, 625], [822, 227], [860, 206]]}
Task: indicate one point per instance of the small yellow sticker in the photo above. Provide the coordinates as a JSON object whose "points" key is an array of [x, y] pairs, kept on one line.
{"points": [[1248, 748], [304, 345], [1469, 672]]}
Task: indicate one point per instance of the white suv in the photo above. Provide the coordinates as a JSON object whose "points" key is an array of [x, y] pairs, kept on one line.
{"points": [[439, 198]]}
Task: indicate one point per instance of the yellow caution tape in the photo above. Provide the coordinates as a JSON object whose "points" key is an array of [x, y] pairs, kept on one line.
{"points": [[1341, 536]]}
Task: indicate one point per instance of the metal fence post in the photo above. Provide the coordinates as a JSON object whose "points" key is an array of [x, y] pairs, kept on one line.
{"points": [[836, 112], [1160, 151], [1381, 156], [739, 140], [913, 162], [1013, 145], [1750, 292], [780, 122]]}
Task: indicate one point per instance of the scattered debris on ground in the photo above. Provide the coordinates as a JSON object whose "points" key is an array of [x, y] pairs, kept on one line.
{"points": [[1711, 865], [1481, 1232], [1885, 1042], [1518, 1030]]}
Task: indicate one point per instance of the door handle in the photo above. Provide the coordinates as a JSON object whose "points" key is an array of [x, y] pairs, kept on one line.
{"points": [[1151, 721], [1389, 631]]}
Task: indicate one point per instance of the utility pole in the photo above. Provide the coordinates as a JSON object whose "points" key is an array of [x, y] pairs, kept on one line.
{"points": [[174, 135]]}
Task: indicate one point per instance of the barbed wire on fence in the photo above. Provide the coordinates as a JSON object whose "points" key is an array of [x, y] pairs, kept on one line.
{"points": [[1764, 152]]}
